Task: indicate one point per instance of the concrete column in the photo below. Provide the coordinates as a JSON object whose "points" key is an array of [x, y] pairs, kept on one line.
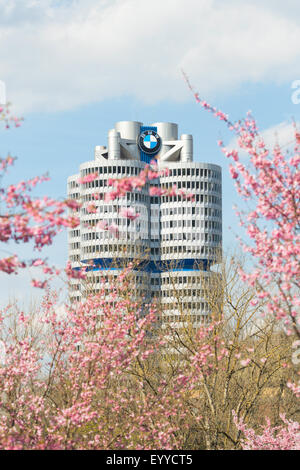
{"points": [[186, 154], [114, 151]]}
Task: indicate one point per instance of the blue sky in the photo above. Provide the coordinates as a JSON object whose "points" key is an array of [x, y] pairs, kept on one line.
{"points": [[74, 68]]}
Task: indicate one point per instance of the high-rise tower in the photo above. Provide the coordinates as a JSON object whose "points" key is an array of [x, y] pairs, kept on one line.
{"points": [[176, 239]]}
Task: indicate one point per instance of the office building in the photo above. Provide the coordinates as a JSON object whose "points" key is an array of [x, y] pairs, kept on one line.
{"points": [[175, 239]]}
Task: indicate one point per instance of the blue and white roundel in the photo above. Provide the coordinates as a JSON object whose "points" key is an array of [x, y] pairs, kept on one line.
{"points": [[149, 142]]}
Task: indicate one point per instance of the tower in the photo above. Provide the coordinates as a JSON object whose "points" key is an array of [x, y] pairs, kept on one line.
{"points": [[175, 239]]}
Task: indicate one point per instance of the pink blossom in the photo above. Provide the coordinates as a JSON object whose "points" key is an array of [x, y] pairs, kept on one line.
{"points": [[39, 284], [129, 213]]}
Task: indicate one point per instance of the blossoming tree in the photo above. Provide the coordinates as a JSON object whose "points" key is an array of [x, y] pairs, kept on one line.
{"points": [[270, 183], [25, 218], [87, 378]]}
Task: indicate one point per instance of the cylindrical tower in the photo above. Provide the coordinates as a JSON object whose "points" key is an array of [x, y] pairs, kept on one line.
{"points": [[73, 189], [190, 235], [120, 240], [168, 131]]}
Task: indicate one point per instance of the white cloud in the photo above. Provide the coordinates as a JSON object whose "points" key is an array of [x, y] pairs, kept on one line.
{"points": [[282, 134], [56, 55]]}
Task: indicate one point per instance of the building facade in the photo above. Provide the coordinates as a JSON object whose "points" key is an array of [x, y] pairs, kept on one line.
{"points": [[175, 240]]}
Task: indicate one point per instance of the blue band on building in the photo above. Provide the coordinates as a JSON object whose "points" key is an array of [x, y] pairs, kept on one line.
{"points": [[148, 266]]}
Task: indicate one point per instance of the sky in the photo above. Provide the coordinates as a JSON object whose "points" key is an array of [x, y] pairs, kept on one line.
{"points": [[73, 68]]}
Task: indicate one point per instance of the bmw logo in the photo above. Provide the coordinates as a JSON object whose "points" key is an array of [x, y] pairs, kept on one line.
{"points": [[149, 142]]}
